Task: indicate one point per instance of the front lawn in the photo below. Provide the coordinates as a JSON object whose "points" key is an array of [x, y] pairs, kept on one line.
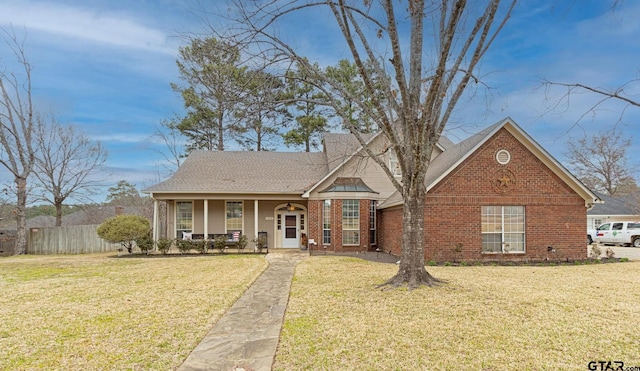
{"points": [[95, 312], [485, 318]]}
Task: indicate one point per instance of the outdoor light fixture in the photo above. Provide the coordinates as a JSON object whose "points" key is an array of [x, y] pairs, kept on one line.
{"points": [[290, 207]]}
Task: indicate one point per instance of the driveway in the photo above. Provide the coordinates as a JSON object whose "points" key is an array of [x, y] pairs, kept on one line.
{"points": [[632, 253]]}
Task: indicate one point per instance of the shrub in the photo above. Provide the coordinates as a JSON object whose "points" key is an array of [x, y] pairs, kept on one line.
{"points": [[610, 253], [261, 242], [200, 246], [164, 245], [124, 229], [220, 242], [184, 245], [595, 251], [242, 242], [145, 243]]}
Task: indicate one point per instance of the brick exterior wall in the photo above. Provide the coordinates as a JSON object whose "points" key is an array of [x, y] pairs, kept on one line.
{"points": [[555, 216], [315, 226]]}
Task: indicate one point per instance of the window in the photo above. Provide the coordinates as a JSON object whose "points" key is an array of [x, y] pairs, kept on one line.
{"points": [[617, 226], [184, 218], [234, 216], [596, 223], [503, 229], [351, 222], [604, 227], [326, 222], [372, 222], [503, 157], [633, 226]]}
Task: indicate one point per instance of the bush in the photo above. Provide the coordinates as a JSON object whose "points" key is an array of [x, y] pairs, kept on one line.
{"points": [[595, 251], [124, 229], [184, 245], [145, 243], [261, 242], [220, 242], [200, 246], [242, 242], [164, 245], [610, 253]]}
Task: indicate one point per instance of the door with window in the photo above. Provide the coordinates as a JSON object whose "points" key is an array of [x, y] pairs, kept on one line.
{"points": [[291, 230]]}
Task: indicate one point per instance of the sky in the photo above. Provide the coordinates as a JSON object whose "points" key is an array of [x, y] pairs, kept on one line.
{"points": [[106, 66]]}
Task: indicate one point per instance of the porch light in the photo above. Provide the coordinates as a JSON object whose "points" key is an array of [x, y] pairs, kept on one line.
{"points": [[290, 207]]}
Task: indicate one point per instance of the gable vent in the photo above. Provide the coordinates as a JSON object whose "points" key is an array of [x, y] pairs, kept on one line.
{"points": [[503, 157]]}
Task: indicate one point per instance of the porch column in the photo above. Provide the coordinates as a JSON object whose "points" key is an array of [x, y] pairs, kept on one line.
{"points": [[155, 220], [206, 218], [255, 217]]}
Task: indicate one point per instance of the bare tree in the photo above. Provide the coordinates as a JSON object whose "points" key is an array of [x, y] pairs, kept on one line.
{"points": [[17, 122], [65, 161], [169, 135], [415, 59], [600, 161]]}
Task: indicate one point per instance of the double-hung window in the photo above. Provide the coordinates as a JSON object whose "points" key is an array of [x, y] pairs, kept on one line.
{"points": [[351, 222], [503, 229], [326, 222], [372, 222], [234, 216], [184, 218]]}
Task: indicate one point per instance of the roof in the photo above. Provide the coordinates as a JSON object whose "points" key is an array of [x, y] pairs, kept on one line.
{"points": [[340, 146], [342, 184], [245, 172], [615, 206]]}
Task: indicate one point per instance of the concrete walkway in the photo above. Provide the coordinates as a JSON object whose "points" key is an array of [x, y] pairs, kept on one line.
{"points": [[246, 337]]}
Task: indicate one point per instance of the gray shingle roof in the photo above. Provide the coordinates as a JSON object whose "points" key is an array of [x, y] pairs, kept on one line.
{"points": [[615, 206], [246, 172], [339, 146]]}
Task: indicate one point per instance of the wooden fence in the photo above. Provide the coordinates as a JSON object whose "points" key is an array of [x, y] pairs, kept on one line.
{"points": [[76, 239]]}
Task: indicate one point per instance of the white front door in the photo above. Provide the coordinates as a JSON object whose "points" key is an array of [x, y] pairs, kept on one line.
{"points": [[290, 231]]}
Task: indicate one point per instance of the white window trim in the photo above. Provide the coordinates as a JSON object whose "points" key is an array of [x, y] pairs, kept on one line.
{"points": [[226, 204], [357, 229], [175, 217], [502, 233]]}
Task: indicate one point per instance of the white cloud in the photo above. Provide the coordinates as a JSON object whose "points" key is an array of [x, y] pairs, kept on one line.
{"points": [[89, 25]]}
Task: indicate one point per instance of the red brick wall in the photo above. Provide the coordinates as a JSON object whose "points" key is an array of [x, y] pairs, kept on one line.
{"points": [[555, 215], [315, 226]]}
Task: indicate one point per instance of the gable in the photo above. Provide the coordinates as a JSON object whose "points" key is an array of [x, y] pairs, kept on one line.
{"points": [[481, 173]]}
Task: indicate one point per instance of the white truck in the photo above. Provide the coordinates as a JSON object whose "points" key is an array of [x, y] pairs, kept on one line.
{"points": [[617, 233]]}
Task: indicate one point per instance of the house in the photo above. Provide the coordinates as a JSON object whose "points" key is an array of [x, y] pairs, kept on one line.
{"points": [[495, 195], [613, 209]]}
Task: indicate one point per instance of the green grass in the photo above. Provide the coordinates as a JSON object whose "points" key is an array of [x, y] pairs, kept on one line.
{"points": [[100, 313], [484, 318]]}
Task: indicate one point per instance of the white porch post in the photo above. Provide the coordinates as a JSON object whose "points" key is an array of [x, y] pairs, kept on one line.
{"points": [[206, 218], [255, 217], [155, 220]]}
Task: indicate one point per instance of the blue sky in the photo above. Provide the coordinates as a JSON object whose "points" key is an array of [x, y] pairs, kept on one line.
{"points": [[106, 67]]}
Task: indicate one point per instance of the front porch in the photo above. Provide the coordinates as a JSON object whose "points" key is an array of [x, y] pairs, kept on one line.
{"points": [[283, 220]]}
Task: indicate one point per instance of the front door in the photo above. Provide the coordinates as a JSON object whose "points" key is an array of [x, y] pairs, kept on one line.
{"points": [[290, 235]]}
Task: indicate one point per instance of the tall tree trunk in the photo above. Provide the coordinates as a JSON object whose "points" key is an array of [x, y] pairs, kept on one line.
{"points": [[21, 220], [412, 271], [58, 206], [220, 133]]}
